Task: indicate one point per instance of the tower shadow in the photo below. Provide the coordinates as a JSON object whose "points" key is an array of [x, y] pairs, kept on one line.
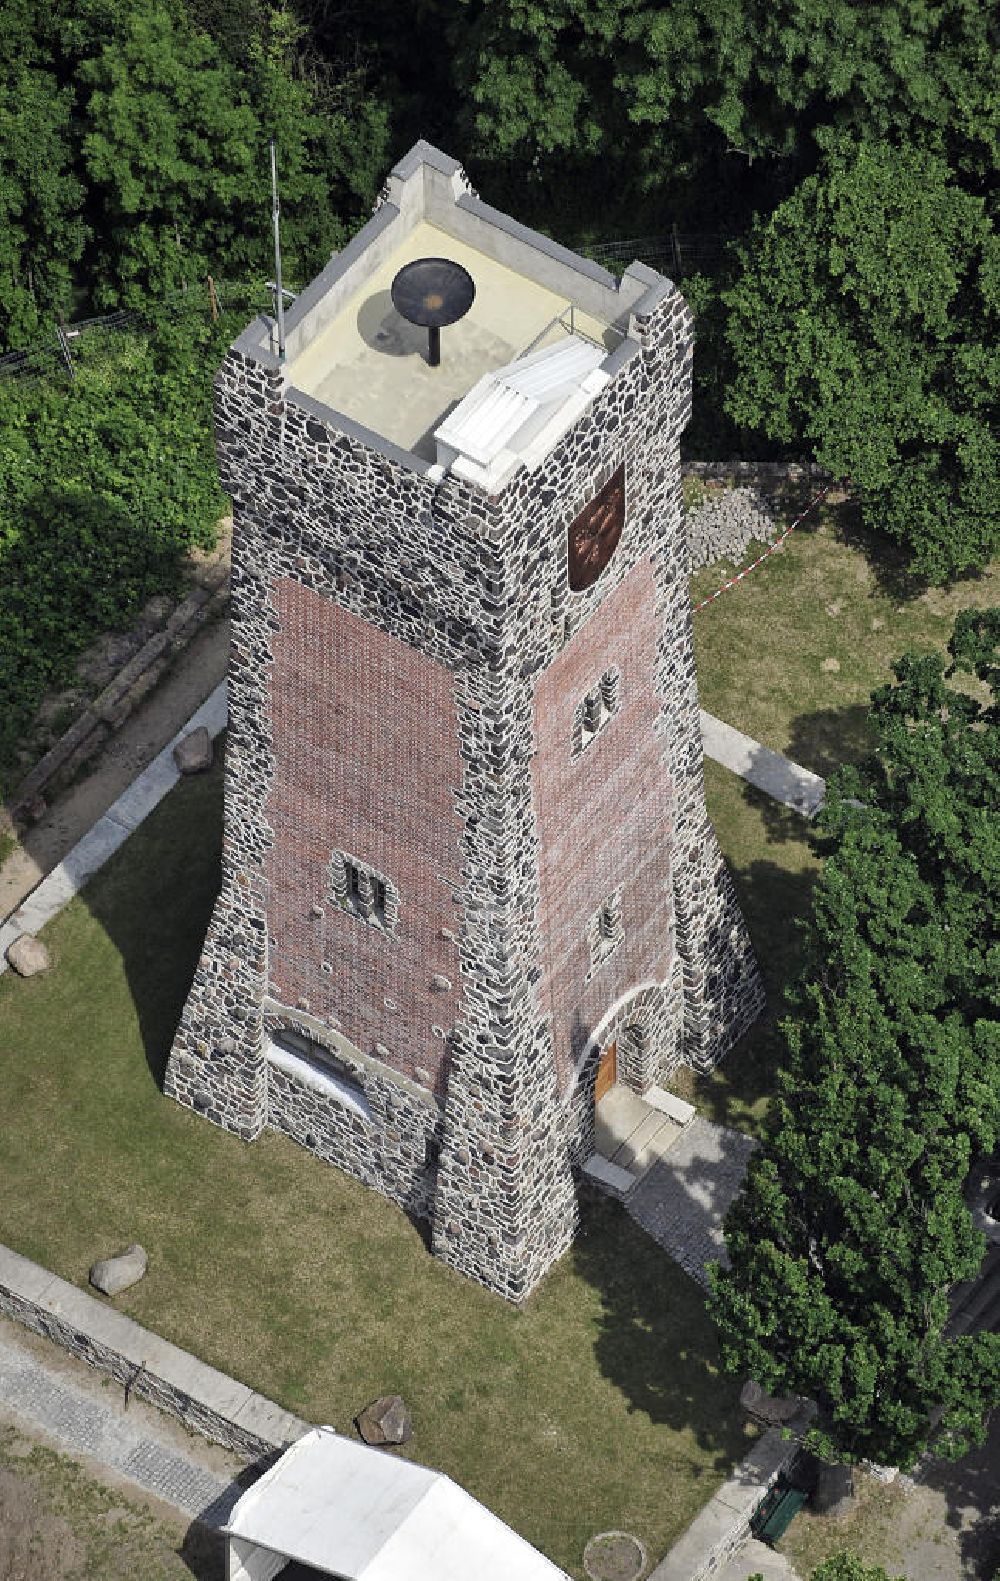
{"points": [[154, 900]]}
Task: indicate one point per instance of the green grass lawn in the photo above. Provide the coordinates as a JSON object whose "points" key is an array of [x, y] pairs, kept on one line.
{"points": [[825, 595], [597, 1405]]}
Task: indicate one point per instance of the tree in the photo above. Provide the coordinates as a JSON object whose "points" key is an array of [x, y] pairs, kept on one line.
{"points": [[917, 70], [852, 1229], [41, 200], [848, 1567], [865, 324], [169, 146]]}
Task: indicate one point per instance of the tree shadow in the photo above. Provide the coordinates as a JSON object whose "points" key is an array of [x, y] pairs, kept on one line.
{"points": [[830, 737], [154, 899], [655, 1341], [971, 1490], [683, 1200]]}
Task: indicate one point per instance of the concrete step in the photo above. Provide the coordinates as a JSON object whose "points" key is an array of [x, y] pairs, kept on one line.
{"points": [[611, 1176], [619, 1114], [668, 1103]]}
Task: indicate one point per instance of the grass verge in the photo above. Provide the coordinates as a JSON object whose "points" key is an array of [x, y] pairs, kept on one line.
{"points": [[59, 1523], [597, 1405], [792, 654]]}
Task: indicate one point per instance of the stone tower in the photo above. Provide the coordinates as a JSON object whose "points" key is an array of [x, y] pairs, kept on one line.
{"points": [[467, 859]]}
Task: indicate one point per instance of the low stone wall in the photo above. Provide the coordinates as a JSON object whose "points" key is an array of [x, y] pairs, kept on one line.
{"points": [[151, 1368], [771, 477], [724, 1524]]}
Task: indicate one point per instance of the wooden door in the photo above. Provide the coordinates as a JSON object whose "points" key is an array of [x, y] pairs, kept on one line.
{"points": [[607, 1072]]}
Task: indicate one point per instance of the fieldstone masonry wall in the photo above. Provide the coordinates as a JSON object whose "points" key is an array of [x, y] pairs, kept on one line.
{"points": [[477, 586]]}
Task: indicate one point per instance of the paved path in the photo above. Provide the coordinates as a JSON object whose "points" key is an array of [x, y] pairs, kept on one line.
{"points": [[110, 831], [45, 1391], [787, 782], [683, 1199], [756, 1558], [192, 677]]}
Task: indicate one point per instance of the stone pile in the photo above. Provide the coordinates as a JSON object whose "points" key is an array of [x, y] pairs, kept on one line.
{"points": [[722, 527]]}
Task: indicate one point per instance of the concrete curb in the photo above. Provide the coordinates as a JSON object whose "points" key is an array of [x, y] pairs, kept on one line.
{"points": [[208, 1401], [109, 832]]}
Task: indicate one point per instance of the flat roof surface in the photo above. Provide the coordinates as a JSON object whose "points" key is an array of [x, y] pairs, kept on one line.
{"points": [[360, 1513], [370, 364]]}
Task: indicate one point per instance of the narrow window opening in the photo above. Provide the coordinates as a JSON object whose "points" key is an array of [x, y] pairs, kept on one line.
{"points": [[367, 894], [606, 931], [595, 709]]}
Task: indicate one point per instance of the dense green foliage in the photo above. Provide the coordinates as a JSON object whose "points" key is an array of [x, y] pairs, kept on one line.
{"points": [[852, 1229], [848, 1567], [859, 322], [104, 484], [663, 93], [866, 324], [136, 160]]}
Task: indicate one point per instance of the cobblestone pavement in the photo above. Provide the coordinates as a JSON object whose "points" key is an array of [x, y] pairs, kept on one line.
{"points": [[683, 1199], [47, 1392]]}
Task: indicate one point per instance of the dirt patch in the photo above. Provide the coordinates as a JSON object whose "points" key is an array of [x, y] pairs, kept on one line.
{"points": [[60, 1521], [35, 1545]]}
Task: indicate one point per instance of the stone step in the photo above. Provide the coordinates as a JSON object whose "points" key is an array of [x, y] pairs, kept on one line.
{"points": [[619, 1113], [604, 1173], [668, 1103]]}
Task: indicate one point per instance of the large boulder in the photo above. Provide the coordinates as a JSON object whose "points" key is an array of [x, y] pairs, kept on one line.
{"points": [[113, 1274], [194, 753], [385, 1421], [28, 956]]}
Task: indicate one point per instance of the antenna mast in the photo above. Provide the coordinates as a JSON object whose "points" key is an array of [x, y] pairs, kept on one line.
{"points": [[279, 301]]}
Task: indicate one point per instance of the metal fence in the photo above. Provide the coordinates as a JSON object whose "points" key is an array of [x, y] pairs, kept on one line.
{"points": [[677, 253], [57, 354]]}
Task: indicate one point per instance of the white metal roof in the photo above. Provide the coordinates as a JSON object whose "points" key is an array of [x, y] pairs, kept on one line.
{"points": [[515, 414], [364, 1515]]}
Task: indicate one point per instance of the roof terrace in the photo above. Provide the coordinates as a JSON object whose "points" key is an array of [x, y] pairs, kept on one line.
{"points": [[349, 351]]}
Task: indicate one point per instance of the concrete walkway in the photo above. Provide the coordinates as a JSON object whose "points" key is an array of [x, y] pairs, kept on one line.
{"points": [[756, 1558], [110, 831], [47, 1392], [778, 777]]}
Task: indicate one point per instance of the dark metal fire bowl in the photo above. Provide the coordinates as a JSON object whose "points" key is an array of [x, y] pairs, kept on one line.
{"points": [[433, 292]]}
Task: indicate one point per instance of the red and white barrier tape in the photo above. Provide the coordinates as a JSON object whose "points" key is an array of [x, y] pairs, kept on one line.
{"points": [[762, 557]]}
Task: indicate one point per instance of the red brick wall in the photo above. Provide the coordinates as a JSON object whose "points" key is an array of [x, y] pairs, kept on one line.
{"points": [[604, 818], [366, 747]]}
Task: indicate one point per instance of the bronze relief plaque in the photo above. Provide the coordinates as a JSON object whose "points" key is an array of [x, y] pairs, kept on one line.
{"points": [[594, 535]]}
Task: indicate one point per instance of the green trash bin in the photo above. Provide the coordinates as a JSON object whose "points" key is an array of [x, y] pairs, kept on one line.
{"points": [[776, 1511]]}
